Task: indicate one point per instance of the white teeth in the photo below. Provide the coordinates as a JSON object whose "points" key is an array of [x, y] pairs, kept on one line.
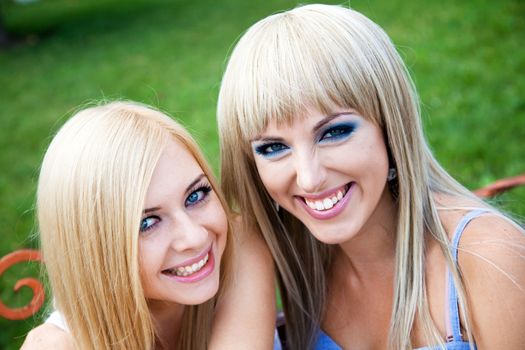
{"points": [[326, 203], [190, 269]]}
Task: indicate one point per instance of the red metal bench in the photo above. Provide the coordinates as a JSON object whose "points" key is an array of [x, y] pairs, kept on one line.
{"points": [[37, 300]]}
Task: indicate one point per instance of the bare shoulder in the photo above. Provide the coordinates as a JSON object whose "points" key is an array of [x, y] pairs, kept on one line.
{"points": [[48, 336], [250, 245], [492, 237], [491, 257]]}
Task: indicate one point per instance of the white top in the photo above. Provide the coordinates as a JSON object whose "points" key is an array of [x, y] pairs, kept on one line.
{"points": [[56, 319]]}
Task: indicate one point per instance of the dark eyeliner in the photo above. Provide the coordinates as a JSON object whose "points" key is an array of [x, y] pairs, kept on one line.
{"points": [[260, 149], [203, 187], [276, 148], [341, 131], [146, 229]]}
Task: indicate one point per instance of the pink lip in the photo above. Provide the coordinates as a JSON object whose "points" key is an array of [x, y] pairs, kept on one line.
{"points": [[329, 213], [324, 194], [199, 275], [195, 259]]}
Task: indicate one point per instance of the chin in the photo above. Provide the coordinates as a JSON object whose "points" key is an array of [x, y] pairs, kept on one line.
{"points": [[330, 239], [202, 294], [334, 236]]}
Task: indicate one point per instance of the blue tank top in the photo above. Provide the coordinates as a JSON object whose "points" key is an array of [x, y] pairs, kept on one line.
{"points": [[455, 340]]}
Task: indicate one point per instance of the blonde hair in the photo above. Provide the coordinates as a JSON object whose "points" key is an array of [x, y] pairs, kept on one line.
{"points": [[91, 193], [320, 56]]}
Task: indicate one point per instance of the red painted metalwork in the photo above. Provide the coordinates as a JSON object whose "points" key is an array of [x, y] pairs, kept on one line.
{"points": [[37, 300], [500, 186]]}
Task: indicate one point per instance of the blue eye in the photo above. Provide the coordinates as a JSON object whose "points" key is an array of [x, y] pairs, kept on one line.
{"points": [[338, 132], [270, 149], [198, 195], [148, 223]]}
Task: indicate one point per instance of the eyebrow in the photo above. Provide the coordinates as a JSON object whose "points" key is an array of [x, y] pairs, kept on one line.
{"points": [[267, 139], [194, 182], [328, 119], [149, 210], [188, 188]]}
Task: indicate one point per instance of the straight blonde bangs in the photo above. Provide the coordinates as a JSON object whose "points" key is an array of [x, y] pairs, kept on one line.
{"points": [[288, 63]]}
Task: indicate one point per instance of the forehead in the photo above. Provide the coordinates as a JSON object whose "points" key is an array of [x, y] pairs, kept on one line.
{"points": [[174, 171]]}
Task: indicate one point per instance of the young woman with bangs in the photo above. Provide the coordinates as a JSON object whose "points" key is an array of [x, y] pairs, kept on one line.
{"points": [[140, 248], [376, 245]]}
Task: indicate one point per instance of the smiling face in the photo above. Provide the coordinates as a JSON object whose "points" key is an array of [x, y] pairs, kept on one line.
{"points": [[182, 232], [329, 171]]}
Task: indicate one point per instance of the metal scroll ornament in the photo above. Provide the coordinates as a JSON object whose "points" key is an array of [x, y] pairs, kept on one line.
{"points": [[37, 300]]}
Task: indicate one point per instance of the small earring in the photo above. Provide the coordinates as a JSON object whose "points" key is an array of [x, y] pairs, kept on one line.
{"points": [[392, 174], [276, 205], [393, 184]]}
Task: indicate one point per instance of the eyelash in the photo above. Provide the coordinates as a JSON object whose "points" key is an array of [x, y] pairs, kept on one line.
{"points": [[343, 130], [265, 151], [205, 188], [143, 229]]}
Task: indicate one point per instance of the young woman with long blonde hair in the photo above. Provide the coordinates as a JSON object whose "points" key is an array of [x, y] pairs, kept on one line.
{"points": [[139, 244], [376, 245]]}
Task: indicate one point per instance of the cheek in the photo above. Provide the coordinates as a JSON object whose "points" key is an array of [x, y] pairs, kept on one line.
{"points": [[222, 228], [144, 259], [380, 162], [373, 162], [217, 223], [147, 265], [274, 177], [372, 157]]}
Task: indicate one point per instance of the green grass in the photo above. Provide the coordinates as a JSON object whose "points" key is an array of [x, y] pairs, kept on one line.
{"points": [[466, 57]]}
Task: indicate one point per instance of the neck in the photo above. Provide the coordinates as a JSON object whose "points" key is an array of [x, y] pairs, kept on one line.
{"points": [[167, 318], [372, 251]]}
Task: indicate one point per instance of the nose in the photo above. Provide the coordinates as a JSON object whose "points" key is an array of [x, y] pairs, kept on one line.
{"points": [[188, 234], [310, 172]]}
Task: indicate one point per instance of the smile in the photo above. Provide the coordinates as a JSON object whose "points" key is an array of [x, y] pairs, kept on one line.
{"points": [[188, 269], [193, 270], [328, 204]]}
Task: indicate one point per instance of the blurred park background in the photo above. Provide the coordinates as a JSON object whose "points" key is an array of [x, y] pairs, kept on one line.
{"points": [[466, 57]]}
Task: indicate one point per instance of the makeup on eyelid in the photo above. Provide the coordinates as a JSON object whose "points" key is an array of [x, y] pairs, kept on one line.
{"points": [[338, 131], [203, 187]]}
